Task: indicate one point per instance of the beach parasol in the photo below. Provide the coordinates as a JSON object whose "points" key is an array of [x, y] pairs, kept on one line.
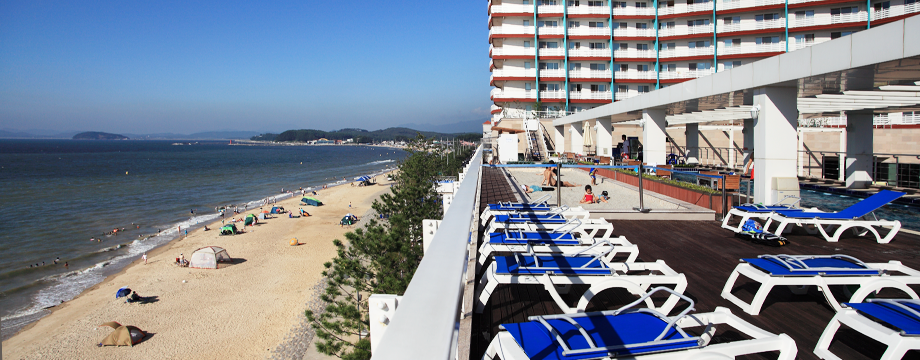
{"points": [[589, 140]]}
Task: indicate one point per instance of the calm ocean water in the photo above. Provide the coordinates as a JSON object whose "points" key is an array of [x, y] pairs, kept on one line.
{"points": [[57, 194]]}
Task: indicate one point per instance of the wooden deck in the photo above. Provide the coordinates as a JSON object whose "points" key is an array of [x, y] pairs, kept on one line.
{"points": [[707, 254]]}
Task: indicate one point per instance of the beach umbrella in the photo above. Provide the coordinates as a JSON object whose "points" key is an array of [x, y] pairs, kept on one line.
{"points": [[589, 140], [125, 291]]}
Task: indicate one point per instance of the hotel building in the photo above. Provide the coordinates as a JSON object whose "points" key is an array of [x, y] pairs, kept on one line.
{"points": [[566, 56]]}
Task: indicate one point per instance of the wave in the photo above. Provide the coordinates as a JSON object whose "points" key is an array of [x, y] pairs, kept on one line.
{"points": [[378, 162]]}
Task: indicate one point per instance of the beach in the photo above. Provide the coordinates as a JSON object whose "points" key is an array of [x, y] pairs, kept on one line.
{"points": [[245, 309]]}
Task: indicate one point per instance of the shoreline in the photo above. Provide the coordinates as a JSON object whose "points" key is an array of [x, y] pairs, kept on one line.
{"points": [[159, 254]]}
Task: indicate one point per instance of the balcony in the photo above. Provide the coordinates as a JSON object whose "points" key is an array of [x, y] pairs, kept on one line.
{"points": [[512, 51], [633, 11], [552, 52], [737, 4], [549, 9], [590, 95], [514, 72], [685, 51], [684, 74], [552, 95], [896, 10], [800, 45], [827, 19], [589, 74], [752, 48], [511, 94], [585, 52], [512, 9], [634, 75], [510, 30], [682, 8], [550, 30], [752, 25], [552, 73], [634, 32], [634, 53], [623, 95], [587, 31], [589, 10], [685, 30]]}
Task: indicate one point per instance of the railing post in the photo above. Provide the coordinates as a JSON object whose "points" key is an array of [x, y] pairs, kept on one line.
{"points": [[641, 207], [724, 204], [558, 184]]}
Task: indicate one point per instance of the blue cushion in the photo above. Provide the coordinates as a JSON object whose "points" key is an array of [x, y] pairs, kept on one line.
{"points": [[844, 267], [519, 207], [857, 210], [533, 238], [530, 218], [558, 265], [630, 328], [761, 209], [890, 314]]}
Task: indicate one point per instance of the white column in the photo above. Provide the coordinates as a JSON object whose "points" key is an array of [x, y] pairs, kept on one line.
{"points": [[654, 138], [859, 149], [559, 135], [775, 132], [842, 157], [731, 146], [748, 146], [604, 137], [693, 143], [578, 141]]}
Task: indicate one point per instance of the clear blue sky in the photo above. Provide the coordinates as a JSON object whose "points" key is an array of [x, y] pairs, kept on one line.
{"points": [[181, 66]]}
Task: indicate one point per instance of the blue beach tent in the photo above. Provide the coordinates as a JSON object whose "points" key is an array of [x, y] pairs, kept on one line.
{"points": [[311, 201]]}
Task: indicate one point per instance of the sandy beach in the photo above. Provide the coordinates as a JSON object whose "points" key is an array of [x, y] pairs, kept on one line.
{"points": [[242, 310]]}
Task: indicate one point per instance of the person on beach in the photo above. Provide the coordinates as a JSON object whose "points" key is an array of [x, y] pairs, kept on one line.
{"points": [[57, 260], [349, 204], [589, 197], [552, 179], [181, 259], [593, 173], [531, 188], [145, 258], [66, 264]]}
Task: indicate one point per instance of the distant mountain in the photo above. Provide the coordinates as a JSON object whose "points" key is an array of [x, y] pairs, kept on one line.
{"points": [[19, 135], [472, 126], [359, 135], [96, 135]]}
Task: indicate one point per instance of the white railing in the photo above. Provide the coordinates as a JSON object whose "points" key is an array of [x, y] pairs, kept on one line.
{"points": [[594, 10], [634, 32], [550, 30], [802, 22], [621, 95], [511, 30], [587, 30], [550, 9], [684, 74], [827, 19], [585, 52], [752, 48], [752, 25], [513, 94], [685, 30], [877, 120], [511, 50], [552, 51], [634, 53], [555, 94], [514, 72], [589, 74], [699, 7], [512, 9], [532, 114], [634, 11], [423, 325], [848, 18], [801, 45], [896, 10], [634, 75], [493, 108], [737, 4], [557, 73], [685, 51], [590, 95]]}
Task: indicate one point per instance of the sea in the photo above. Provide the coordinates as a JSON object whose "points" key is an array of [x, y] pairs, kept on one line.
{"points": [[57, 195]]}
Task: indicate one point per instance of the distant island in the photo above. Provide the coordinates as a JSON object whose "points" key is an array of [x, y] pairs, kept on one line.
{"points": [[95, 135], [360, 136]]}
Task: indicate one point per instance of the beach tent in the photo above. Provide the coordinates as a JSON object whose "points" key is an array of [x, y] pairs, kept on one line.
{"points": [[229, 229], [250, 220], [125, 291], [124, 335], [363, 178], [311, 201], [348, 220], [208, 257], [263, 216], [277, 210]]}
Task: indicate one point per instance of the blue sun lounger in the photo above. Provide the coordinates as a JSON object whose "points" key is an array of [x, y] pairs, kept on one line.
{"points": [[893, 322], [549, 218], [801, 271], [577, 212], [555, 243], [631, 332], [855, 216], [559, 272], [748, 211]]}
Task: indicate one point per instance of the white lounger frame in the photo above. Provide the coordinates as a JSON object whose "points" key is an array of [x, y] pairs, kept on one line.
{"points": [[815, 225], [572, 213], [615, 246], [897, 345], [587, 228], [506, 348], [662, 274], [868, 284]]}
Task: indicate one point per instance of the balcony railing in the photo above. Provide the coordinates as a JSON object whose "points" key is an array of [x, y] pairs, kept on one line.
{"points": [[511, 30], [512, 9], [587, 30], [737, 4], [593, 10], [589, 74], [512, 51], [800, 45], [549, 9], [556, 73], [826, 19], [533, 114], [634, 53], [552, 52], [880, 120], [681, 8], [634, 75], [753, 25], [685, 30], [896, 10], [554, 94], [646, 11], [585, 52], [590, 95], [684, 74], [634, 32], [514, 94], [514, 72], [685, 51], [752, 48], [550, 30]]}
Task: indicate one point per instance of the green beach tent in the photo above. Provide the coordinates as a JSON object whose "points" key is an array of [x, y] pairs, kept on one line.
{"points": [[229, 229], [311, 201], [250, 220]]}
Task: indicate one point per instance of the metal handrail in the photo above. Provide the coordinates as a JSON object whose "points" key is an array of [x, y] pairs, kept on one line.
{"points": [[423, 326]]}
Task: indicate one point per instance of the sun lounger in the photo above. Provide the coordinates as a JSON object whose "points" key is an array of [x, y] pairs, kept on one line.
{"points": [[855, 216], [800, 272], [565, 211], [557, 273], [892, 322], [632, 333], [545, 242], [748, 211], [590, 228]]}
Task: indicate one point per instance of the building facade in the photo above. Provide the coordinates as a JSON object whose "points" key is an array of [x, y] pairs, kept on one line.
{"points": [[563, 56]]}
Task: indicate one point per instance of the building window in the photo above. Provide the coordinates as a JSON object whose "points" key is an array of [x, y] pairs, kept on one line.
{"points": [[766, 17], [767, 40], [527, 44], [595, 3], [731, 64], [527, 86], [698, 44], [598, 45], [642, 67], [667, 67], [574, 3], [547, 23], [622, 88], [665, 4], [619, 4], [641, 4], [575, 66], [575, 45], [549, 66], [620, 25], [666, 46], [805, 39], [549, 45], [881, 6], [697, 22], [643, 88], [596, 24], [599, 67], [621, 67], [641, 26], [845, 10], [549, 87], [574, 87], [838, 34], [732, 42], [547, 2], [699, 66], [804, 15], [641, 46], [574, 24], [526, 22], [728, 20], [666, 25], [527, 65], [596, 88]]}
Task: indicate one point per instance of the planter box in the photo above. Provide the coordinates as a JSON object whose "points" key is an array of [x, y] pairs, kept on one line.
{"points": [[709, 201]]}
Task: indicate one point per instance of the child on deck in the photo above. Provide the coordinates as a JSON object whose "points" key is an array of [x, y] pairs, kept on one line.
{"points": [[589, 197]]}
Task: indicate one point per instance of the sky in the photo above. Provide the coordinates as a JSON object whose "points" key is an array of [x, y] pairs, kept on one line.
{"points": [[184, 67]]}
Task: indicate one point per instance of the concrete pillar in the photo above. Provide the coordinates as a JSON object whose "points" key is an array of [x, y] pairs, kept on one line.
{"points": [[693, 143], [775, 130], [748, 146], [559, 136], [859, 144], [731, 146], [842, 156], [654, 138], [577, 133], [604, 137]]}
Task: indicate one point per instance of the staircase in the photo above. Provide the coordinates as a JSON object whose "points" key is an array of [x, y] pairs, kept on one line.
{"points": [[535, 145]]}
